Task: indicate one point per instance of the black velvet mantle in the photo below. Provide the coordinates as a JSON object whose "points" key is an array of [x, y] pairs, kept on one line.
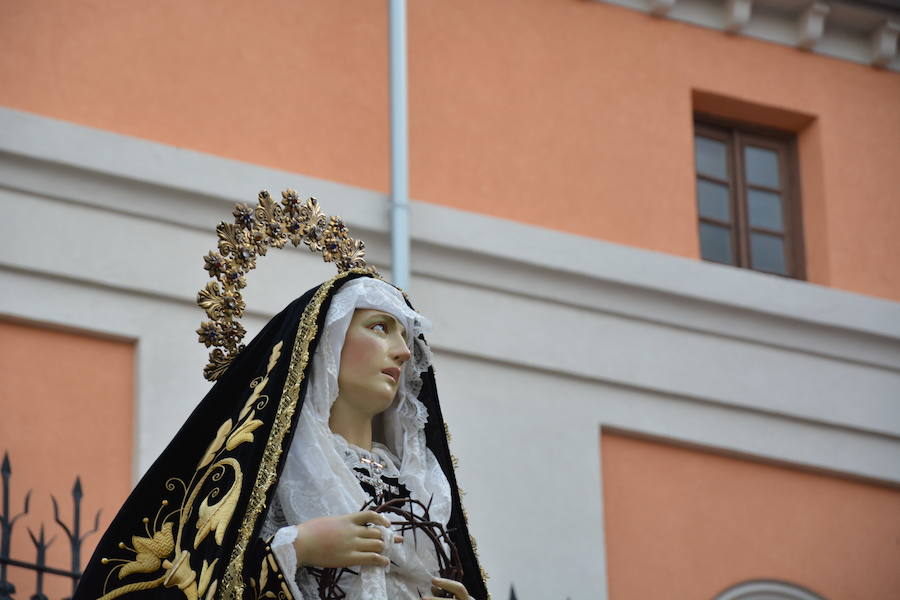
{"points": [[190, 528]]}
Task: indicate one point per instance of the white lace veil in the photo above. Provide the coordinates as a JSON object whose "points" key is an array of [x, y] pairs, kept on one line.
{"points": [[316, 481]]}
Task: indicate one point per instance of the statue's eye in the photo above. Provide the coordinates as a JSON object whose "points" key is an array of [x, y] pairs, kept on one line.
{"points": [[380, 326]]}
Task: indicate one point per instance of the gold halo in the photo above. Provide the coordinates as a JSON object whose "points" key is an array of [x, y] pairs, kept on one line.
{"points": [[269, 224]]}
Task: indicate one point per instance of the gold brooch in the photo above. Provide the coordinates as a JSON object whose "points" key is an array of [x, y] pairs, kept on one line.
{"points": [[269, 224]]}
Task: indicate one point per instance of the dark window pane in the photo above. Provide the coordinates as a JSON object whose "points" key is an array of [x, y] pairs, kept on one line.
{"points": [[715, 243], [713, 201], [762, 166], [765, 210], [767, 253], [711, 157]]}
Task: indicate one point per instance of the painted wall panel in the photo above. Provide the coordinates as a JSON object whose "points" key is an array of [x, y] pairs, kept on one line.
{"points": [[67, 404], [300, 86], [686, 524]]}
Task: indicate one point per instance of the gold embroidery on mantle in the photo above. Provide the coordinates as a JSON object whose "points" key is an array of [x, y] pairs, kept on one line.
{"points": [[162, 548], [271, 578], [232, 580]]}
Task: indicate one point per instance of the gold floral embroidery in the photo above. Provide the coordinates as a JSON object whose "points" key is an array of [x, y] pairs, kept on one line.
{"points": [[216, 517], [211, 593], [232, 581], [150, 552], [244, 433], [162, 548], [206, 572], [216, 444], [271, 578], [180, 575]]}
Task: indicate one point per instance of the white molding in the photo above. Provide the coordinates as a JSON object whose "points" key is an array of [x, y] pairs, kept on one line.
{"points": [[161, 183], [661, 8], [755, 315], [739, 12], [853, 32], [811, 25], [884, 43], [566, 334]]}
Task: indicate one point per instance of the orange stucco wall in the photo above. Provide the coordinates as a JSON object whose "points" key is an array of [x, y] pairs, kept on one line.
{"points": [[684, 524], [573, 115], [66, 406]]}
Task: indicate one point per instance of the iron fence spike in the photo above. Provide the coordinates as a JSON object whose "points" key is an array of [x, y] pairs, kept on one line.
{"points": [[56, 518], [27, 503], [96, 526], [31, 535], [38, 539]]}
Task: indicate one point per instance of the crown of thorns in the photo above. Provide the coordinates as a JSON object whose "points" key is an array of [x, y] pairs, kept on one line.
{"points": [[269, 224], [406, 515]]}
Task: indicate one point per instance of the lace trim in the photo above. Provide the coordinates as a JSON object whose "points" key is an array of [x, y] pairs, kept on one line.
{"points": [[380, 454], [275, 519], [282, 546]]}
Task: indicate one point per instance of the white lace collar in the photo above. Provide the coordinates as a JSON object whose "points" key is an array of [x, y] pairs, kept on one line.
{"points": [[380, 454]]}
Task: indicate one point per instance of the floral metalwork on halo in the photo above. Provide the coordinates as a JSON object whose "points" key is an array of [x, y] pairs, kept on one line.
{"points": [[268, 224]]}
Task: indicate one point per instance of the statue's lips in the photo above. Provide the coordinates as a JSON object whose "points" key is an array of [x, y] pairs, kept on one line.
{"points": [[393, 373]]}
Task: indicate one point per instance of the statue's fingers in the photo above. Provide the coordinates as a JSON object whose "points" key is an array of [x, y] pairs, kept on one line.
{"points": [[370, 516], [369, 532], [370, 545], [458, 590], [368, 559]]}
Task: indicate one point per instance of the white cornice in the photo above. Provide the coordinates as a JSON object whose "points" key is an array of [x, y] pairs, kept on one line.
{"points": [[661, 8], [114, 189], [857, 32], [884, 43], [738, 15], [81, 157], [811, 25]]}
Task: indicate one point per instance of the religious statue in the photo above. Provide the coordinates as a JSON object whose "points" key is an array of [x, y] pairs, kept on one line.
{"points": [[318, 464]]}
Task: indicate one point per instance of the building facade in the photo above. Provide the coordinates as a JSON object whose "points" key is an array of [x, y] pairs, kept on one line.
{"points": [[658, 241]]}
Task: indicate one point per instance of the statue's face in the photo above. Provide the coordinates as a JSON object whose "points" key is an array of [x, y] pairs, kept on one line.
{"points": [[371, 360]]}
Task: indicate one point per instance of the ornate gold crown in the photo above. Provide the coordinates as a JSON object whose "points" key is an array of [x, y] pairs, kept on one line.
{"points": [[254, 231]]}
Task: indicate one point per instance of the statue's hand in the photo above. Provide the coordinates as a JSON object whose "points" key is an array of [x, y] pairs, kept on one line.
{"points": [[448, 586], [342, 541]]}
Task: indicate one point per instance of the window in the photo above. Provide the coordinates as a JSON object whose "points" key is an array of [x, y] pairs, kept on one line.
{"points": [[747, 198]]}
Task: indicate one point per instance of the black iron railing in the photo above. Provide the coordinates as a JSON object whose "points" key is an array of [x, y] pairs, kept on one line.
{"points": [[40, 541]]}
